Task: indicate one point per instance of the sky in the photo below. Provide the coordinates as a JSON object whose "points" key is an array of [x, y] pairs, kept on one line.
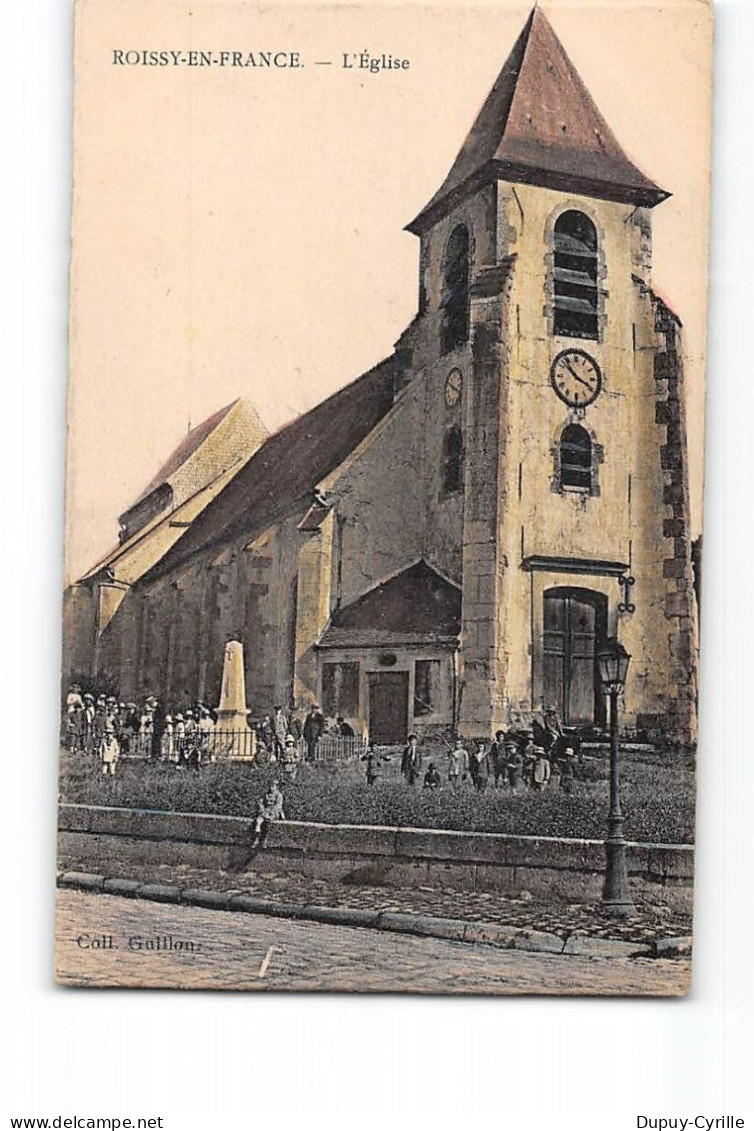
{"points": [[239, 231]]}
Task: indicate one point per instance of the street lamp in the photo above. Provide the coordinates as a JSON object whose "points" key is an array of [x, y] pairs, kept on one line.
{"points": [[612, 664]]}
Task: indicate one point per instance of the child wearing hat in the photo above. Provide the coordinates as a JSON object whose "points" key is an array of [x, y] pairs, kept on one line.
{"points": [[541, 769], [567, 770], [458, 764], [290, 758], [167, 742], [109, 750], [431, 778], [373, 767], [515, 765]]}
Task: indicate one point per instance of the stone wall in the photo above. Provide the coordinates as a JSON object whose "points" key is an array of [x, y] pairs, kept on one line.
{"points": [[100, 839], [482, 677], [167, 637], [79, 632], [680, 607], [379, 499]]}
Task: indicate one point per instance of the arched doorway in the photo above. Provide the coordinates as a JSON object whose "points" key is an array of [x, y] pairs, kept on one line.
{"points": [[575, 623]]}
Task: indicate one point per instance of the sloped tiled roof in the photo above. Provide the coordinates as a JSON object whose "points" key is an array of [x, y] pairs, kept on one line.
{"points": [[223, 438], [540, 125], [418, 604], [197, 470], [130, 560], [290, 463], [185, 449]]}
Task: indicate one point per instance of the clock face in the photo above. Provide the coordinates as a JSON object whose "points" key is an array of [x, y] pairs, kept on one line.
{"points": [[576, 378], [453, 385]]}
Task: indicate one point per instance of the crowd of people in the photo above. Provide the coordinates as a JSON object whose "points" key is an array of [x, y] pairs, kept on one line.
{"points": [[106, 729], [103, 727], [515, 760], [275, 729]]}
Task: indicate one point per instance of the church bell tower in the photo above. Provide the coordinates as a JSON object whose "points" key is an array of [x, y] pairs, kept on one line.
{"points": [[539, 326]]}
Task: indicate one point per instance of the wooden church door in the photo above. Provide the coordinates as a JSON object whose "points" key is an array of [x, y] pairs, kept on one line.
{"points": [[388, 707], [575, 622]]}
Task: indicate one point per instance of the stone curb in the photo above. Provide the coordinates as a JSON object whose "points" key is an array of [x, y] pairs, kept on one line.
{"points": [[84, 881], [429, 926], [426, 926], [587, 947], [127, 888], [673, 948], [342, 916]]}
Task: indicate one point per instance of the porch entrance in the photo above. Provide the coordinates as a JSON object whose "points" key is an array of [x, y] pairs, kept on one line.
{"points": [[575, 624], [387, 716]]}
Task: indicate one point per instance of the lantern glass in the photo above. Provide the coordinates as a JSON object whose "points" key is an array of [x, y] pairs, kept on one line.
{"points": [[612, 663]]}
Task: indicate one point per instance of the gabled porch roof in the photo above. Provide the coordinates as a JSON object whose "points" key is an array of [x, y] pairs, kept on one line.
{"points": [[416, 606]]}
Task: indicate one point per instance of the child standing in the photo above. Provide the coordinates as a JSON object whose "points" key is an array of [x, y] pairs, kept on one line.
{"points": [[541, 769], [458, 764], [109, 750], [373, 767]]}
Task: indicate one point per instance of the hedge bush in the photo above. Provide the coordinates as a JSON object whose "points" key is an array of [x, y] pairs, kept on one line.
{"points": [[658, 798]]}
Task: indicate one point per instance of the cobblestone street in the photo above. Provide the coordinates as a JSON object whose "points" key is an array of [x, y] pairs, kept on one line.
{"points": [[250, 952], [650, 922]]}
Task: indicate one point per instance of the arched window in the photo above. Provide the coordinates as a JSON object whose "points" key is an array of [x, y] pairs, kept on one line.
{"points": [[576, 457], [576, 259], [452, 461], [454, 304]]}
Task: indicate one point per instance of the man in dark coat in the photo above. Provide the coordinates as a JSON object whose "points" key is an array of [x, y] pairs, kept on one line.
{"points": [[158, 727], [480, 766], [411, 762], [499, 759], [314, 725]]}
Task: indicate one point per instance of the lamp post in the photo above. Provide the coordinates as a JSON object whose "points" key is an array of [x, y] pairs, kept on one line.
{"points": [[612, 663]]}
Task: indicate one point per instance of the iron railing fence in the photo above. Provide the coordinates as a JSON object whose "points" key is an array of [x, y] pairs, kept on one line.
{"points": [[337, 748], [329, 748], [197, 746], [201, 747]]}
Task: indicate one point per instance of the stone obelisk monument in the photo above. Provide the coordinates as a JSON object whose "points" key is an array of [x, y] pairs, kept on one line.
{"points": [[240, 741]]}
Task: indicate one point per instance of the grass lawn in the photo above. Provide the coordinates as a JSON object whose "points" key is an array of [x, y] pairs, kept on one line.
{"points": [[657, 791]]}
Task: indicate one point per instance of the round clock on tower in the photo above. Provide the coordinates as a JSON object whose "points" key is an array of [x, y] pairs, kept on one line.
{"points": [[576, 378]]}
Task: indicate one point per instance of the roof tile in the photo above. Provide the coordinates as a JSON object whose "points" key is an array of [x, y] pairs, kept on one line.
{"points": [[540, 125], [290, 463]]}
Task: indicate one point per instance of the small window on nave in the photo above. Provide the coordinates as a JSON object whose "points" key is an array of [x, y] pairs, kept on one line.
{"points": [[576, 457], [575, 276], [452, 461], [454, 305]]}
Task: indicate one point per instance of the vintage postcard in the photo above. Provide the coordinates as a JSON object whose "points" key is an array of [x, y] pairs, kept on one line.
{"points": [[383, 535]]}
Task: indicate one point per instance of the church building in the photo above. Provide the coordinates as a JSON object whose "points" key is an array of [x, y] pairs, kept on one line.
{"points": [[443, 544]]}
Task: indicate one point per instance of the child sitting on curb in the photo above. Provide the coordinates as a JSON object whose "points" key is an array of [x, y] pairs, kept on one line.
{"points": [[269, 808]]}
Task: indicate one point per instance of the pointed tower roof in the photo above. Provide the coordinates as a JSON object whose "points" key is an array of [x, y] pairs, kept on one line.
{"points": [[540, 125]]}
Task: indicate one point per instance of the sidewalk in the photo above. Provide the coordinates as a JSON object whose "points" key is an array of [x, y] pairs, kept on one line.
{"points": [[471, 917]]}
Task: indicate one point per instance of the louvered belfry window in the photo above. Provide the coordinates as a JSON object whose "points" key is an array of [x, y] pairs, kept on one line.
{"points": [[455, 291], [576, 457], [576, 260]]}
